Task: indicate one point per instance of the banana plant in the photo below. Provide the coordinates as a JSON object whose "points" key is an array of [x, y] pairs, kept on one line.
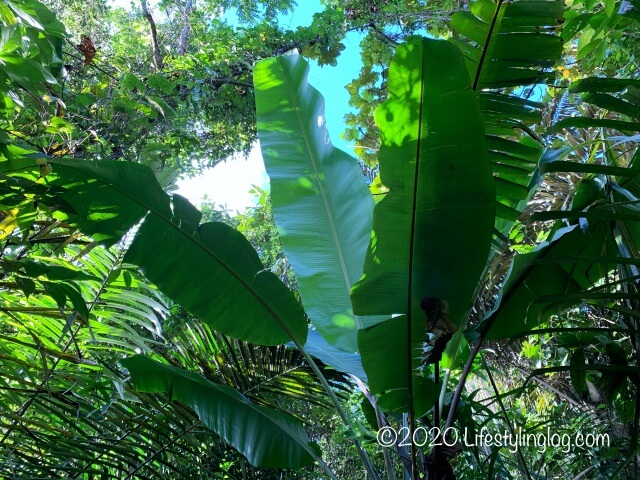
{"points": [[440, 191], [320, 201], [440, 184]]}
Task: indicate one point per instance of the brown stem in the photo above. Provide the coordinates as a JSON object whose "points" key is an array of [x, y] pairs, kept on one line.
{"points": [[157, 57], [463, 381], [184, 35]]}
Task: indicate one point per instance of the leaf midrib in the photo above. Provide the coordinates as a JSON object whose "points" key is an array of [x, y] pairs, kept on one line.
{"points": [[315, 163]]}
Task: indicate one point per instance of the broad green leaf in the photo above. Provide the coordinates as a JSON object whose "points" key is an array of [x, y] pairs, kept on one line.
{"points": [[425, 393], [380, 347], [432, 231], [340, 360], [509, 44], [211, 269], [60, 292], [600, 84], [53, 269], [217, 276], [321, 204], [549, 272], [380, 343], [269, 439]]}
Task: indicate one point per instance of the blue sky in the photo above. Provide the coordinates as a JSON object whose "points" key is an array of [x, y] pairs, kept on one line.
{"points": [[229, 182]]}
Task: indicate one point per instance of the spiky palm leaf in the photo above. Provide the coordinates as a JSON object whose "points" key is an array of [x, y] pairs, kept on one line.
{"points": [[67, 407], [506, 45]]}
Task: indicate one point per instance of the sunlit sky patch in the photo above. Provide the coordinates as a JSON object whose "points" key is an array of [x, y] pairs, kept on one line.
{"points": [[229, 182]]}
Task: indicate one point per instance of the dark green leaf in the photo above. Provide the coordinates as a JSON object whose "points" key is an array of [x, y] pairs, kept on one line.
{"points": [[269, 439]]}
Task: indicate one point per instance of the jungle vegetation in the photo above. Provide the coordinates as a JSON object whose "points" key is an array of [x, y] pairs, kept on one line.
{"points": [[473, 268]]}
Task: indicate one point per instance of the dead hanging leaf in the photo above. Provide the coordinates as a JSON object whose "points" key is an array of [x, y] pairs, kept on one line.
{"points": [[8, 223], [87, 48], [438, 329]]}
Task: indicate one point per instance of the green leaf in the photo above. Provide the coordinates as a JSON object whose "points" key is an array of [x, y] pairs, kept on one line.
{"points": [[60, 292], [217, 276], [109, 197], [160, 82], [385, 341], [609, 7], [28, 16], [27, 285], [440, 188], [342, 361], [35, 269], [549, 271], [425, 393], [214, 272], [512, 47], [131, 82], [321, 204], [509, 44], [268, 439], [389, 379]]}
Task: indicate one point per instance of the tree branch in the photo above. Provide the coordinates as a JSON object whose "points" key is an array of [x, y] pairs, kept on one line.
{"points": [[157, 57], [184, 35]]}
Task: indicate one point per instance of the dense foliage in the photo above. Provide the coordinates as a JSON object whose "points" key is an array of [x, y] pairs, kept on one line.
{"points": [[486, 280]]}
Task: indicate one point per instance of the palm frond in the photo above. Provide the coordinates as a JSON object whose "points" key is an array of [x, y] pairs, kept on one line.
{"points": [[506, 45]]}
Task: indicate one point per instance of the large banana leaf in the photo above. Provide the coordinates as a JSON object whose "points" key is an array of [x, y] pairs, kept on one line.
{"points": [[514, 46], [388, 379], [209, 269], [321, 204], [545, 281], [432, 231], [268, 438], [569, 268]]}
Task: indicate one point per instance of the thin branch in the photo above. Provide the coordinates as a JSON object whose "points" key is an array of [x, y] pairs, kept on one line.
{"points": [[93, 63], [157, 57], [184, 35], [383, 35]]}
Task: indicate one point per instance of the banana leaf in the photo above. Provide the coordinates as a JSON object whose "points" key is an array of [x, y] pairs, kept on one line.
{"points": [[506, 45], [432, 231], [209, 269], [269, 439], [549, 279], [321, 204]]}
